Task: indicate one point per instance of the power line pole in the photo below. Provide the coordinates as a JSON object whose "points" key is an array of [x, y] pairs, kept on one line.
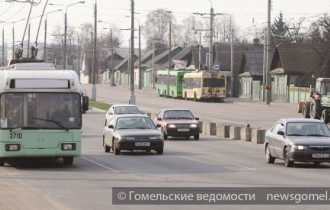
{"points": [[268, 56], [232, 79], [94, 71], [131, 95], [211, 39], [140, 70], [169, 57]]}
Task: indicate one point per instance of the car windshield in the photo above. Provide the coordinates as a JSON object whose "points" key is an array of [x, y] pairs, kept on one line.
{"points": [[307, 129], [126, 110], [134, 123], [178, 114]]}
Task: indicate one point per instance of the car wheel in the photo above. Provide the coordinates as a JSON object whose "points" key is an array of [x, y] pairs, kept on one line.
{"points": [[196, 136], [269, 157], [165, 136], [116, 150], [325, 116], [67, 160], [160, 151], [287, 161], [2, 162], [106, 147], [112, 148], [306, 110], [195, 96]]}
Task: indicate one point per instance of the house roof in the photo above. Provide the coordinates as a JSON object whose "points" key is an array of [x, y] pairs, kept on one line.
{"points": [[222, 54], [123, 65], [146, 57], [254, 62], [298, 58], [161, 61], [190, 55]]}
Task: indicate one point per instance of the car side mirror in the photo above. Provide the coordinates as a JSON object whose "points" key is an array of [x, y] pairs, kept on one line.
{"points": [[196, 118], [280, 133], [158, 126], [110, 126], [159, 119]]}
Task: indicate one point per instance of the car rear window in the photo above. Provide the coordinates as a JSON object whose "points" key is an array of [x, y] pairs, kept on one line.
{"points": [[178, 114], [126, 110]]}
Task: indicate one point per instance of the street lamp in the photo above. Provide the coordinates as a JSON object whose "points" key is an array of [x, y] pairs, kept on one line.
{"points": [[45, 37], [65, 30], [112, 81]]}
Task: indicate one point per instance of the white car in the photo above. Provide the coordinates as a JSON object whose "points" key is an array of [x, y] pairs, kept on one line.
{"points": [[120, 109]]}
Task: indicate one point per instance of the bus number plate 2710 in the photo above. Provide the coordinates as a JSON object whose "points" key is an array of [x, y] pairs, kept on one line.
{"points": [[15, 135]]}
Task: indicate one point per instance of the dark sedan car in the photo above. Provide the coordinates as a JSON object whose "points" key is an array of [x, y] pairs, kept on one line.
{"points": [[178, 123], [132, 132], [298, 140]]}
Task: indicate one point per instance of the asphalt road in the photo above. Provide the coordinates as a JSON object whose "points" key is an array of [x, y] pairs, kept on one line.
{"points": [[231, 111], [209, 162]]}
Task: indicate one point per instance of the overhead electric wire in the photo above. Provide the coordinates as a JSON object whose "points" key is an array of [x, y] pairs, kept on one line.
{"points": [[16, 13], [4, 12]]}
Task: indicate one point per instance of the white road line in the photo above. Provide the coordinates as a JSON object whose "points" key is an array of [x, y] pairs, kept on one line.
{"points": [[99, 164], [233, 164]]}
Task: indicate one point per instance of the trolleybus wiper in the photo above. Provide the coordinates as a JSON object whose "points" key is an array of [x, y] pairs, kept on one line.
{"points": [[53, 121]]}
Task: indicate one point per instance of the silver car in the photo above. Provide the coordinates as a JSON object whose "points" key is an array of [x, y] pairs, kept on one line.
{"points": [[120, 109], [132, 132], [298, 140]]}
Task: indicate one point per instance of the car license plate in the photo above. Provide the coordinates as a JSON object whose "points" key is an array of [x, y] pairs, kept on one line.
{"points": [[142, 144], [320, 155], [183, 129]]}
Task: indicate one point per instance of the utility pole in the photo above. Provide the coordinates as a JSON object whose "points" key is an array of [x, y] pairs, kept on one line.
{"points": [[140, 70], [268, 56], [3, 46], [45, 38], [131, 95], [94, 73], [112, 66], [212, 14], [169, 57], [153, 64], [13, 47], [28, 44], [232, 79], [65, 34], [264, 67], [211, 39]]}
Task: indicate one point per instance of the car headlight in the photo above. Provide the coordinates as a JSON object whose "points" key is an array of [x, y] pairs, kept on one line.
{"points": [[154, 137], [129, 138], [171, 126], [193, 125], [299, 147]]}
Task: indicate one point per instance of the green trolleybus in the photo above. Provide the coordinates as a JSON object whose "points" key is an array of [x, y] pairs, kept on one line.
{"points": [[40, 114], [173, 85], [204, 85]]}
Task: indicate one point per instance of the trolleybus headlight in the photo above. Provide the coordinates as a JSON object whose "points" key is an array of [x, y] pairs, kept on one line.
{"points": [[12, 147], [69, 146]]}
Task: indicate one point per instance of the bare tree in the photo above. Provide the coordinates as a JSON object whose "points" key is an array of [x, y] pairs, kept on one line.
{"points": [[156, 27]]}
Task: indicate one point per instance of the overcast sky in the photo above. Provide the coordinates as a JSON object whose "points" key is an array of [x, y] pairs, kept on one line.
{"points": [[114, 12]]}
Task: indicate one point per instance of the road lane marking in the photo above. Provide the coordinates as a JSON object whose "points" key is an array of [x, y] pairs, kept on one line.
{"points": [[233, 164], [99, 164]]}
